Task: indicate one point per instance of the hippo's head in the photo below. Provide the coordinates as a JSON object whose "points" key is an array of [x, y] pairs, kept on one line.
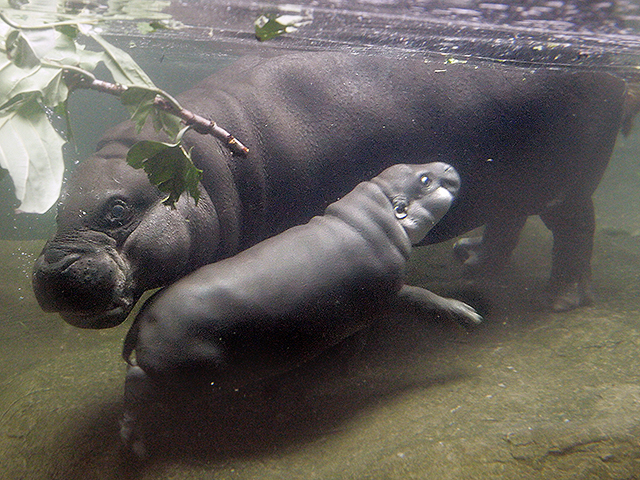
{"points": [[116, 239], [420, 194]]}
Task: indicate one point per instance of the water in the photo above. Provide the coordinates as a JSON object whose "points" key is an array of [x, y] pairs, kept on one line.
{"points": [[529, 394]]}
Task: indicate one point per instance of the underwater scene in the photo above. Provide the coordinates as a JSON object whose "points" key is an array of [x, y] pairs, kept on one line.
{"points": [[471, 313]]}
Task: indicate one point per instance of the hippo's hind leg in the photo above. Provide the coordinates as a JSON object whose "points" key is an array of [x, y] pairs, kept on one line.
{"points": [[489, 254], [573, 225], [139, 394]]}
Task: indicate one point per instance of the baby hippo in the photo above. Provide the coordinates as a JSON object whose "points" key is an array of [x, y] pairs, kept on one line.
{"points": [[272, 307]]}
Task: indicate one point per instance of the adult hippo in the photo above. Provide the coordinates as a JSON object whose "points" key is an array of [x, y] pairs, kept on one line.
{"points": [[525, 142], [291, 296]]}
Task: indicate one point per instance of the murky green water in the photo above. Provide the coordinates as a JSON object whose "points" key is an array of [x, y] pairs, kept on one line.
{"points": [[528, 394]]}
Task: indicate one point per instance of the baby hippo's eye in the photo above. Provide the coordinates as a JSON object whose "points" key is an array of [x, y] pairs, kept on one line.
{"points": [[424, 179], [400, 209]]}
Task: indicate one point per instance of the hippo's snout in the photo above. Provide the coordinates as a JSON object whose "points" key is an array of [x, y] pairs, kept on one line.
{"points": [[74, 282], [83, 283]]}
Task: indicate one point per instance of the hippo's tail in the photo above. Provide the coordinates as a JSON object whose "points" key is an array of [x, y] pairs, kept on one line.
{"points": [[630, 110]]}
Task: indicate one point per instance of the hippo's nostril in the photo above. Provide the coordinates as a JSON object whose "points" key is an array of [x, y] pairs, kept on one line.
{"points": [[56, 256]]}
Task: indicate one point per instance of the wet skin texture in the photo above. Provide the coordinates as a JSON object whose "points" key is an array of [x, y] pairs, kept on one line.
{"points": [[525, 142], [283, 301]]}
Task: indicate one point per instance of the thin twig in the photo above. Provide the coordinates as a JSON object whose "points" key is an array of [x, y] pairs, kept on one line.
{"points": [[202, 125], [79, 78]]}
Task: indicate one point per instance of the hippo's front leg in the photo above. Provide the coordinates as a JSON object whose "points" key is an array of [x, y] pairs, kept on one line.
{"points": [[490, 253], [573, 225]]}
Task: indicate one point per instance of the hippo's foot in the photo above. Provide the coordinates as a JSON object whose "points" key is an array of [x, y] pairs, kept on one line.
{"points": [[130, 436], [475, 260], [424, 299], [467, 250], [565, 296], [138, 395]]}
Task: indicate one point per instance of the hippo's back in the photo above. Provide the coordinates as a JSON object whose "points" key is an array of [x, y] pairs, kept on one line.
{"points": [[319, 123]]}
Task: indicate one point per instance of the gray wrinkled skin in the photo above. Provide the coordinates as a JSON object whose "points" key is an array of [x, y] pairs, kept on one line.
{"points": [[285, 300], [524, 141]]}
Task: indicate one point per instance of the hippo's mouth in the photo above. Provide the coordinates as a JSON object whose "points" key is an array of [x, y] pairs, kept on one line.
{"points": [[88, 283], [97, 320]]}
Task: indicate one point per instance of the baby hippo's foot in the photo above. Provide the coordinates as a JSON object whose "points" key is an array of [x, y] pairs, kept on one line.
{"points": [[424, 299], [565, 296], [460, 311]]}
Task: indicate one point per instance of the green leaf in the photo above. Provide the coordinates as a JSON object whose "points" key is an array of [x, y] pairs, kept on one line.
{"points": [[122, 67], [70, 31], [166, 122], [25, 74], [143, 150], [168, 166], [46, 82], [56, 91], [145, 28], [87, 59], [20, 50], [156, 25], [27, 48], [139, 102], [31, 150], [271, 25]]}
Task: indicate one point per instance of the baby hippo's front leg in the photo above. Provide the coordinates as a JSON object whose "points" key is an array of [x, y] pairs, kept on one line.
{"points": [[426, 300]]}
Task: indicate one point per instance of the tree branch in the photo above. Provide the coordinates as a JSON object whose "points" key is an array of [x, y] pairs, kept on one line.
{"points": [[78, 78], [201, 124]]}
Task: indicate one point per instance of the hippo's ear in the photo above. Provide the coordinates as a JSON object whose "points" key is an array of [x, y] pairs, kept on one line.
{"points": [[400, 207]]}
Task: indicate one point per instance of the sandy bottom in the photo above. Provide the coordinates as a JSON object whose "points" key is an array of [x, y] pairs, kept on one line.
{"points": [[528, 394]]}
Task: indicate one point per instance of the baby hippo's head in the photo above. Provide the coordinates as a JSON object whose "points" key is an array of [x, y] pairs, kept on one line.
{"points": [[420, 194]]}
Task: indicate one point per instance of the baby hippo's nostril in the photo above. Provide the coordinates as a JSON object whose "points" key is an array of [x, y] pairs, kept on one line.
{"points": [[450, 180]]}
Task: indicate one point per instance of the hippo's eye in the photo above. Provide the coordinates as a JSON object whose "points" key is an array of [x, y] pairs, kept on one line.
{"points": [[400, 209], [424, 179], [118, 211], [117, 214]]}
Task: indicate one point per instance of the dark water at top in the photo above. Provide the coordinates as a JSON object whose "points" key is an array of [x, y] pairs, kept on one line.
{"points": [[557, 33], [530, 394]]}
